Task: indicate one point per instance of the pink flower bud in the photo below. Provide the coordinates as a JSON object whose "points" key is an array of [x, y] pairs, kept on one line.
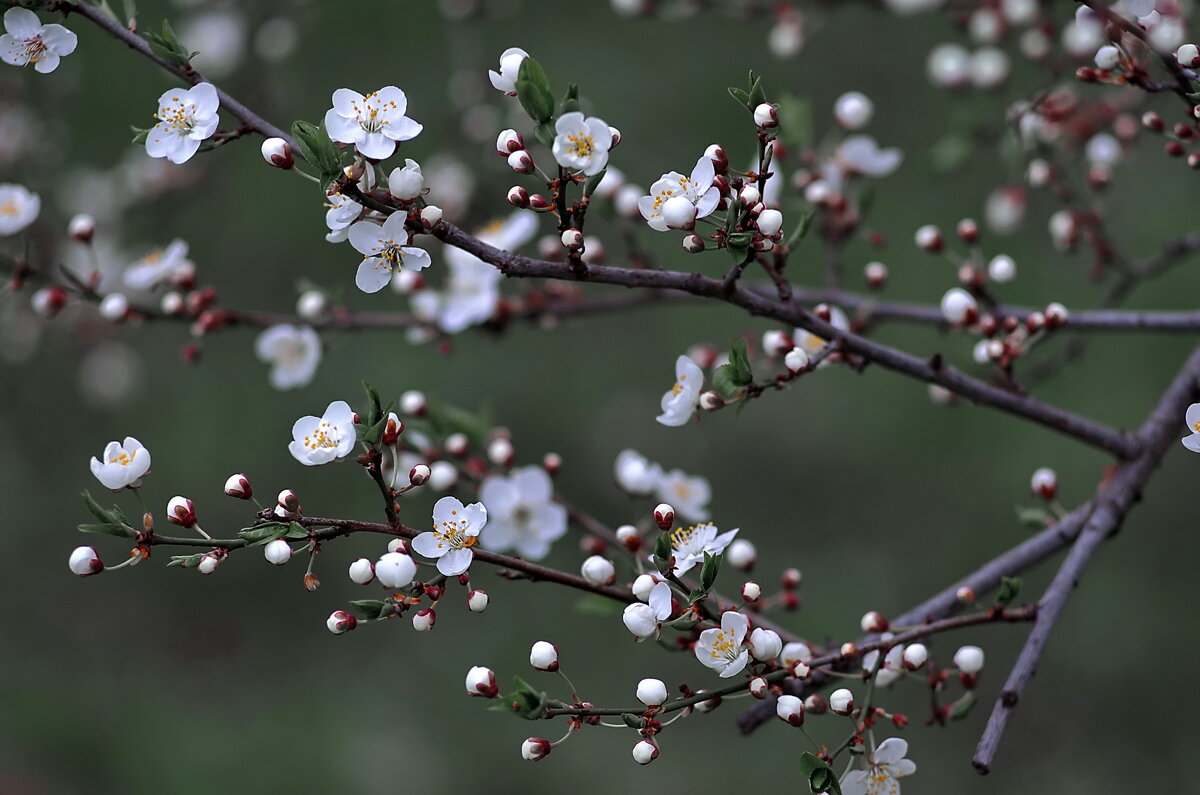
{"points": [[419, 475], [477, 600], [544, 656], [81, 228], [790, 579], [521, 162], [277, 153], [482, 682], [790, 710], [181, 511], [424, 620], [509, 141], [340, 622], [84, 561], [288, 501], [552, 463], [664, 516], [535, 748], [1056, 314], [518, 196]]}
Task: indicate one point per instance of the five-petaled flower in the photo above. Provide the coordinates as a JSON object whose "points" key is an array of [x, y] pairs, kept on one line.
{"points": [[455, 530], [522, 513], [19, 207], [643, 619], [581, 142], [680, 401], [887, 765], [1193, 422], [293, 353], [122, 465], [510, 66], [692, 196], [27, 41], [721, 649], [185, 118], [374, 123], [688, 495], [319, 440], [385, 250], [688, 545], [158, 266]]}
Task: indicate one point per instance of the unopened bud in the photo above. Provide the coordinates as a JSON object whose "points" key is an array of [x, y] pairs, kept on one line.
{"points": [[628, 537], [509, 141], [84, 561], [711, 401], [82, 228], [758, 687], [841, 702], [751, 592], [431, 215], [645, 752], [535, 748], [1056, 314], [790, 579], [969, 659], [815, 704], [412, 403], [876, 274], [598, 570], [965, 594], [1044, 483], [500, 451], [181, 511], [664, 516], [765, 116], [693, 244], [424, 620], [741, 554], [521, 162], [874, 622], [967, 230], [915, 656], [477, 600], [482, 682], [796, 360], [208, 563], [48, 301], [277, 153], [362, 572], [518, 196], [288, 501], [572, 239], [929, 238], [544, 656], [340, 622], [114, 307], [552, 463], [790, 710]]}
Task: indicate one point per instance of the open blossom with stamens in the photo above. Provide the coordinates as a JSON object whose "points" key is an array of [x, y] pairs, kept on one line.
{"points": [[721, 649], [510, 66], [643, 619], [886, 765], [582, 142], [159, 266], [185, 118], [455, 530], [27, 41], [19, 207], [522, 513], [680, 401], [385, 250], [689, 545], [1193, 423], [319, 440], [688, 495], [696, 191], [373, 123], [123, 464], [293, 353]]}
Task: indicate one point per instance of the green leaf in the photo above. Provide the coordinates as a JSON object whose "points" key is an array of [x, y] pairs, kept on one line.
{"points": [[166, 45], [101, 513], [372, 434], [757, 95], [818, 774], [263, 533], [708, 572], [730, 379], [1036, 518], [963, 706], [296, 531], [187, 561], [524, 701], [801, 230], [570, 103], [593, 181], [633, 721], [1009, 588], [316, 147], [545, 133], [106, 528], [951, 152], [662, 553], [697, 595], [741, 96], [371, 609], [598, 606], [533, 91], [139, 134], [130, 11], [796, 121]]}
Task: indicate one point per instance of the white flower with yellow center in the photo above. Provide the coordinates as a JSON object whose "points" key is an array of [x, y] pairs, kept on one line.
{"points": [[510, 66], [812, 344], [887, 765], [582, 142], [19, 207], [722, 649], [688, 545], [185, 118], [27, 41], [293, 353], [693, 195], [319, 440], [522, 513], [123, 464], [680, 401], [385, 250], [1193, 422], [373, 123], [688, 495], [455, 531], [158, 266]]}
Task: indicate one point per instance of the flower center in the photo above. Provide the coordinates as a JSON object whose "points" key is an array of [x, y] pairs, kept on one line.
{"points": [[678, 385], [582, 145], [1195, 425], [453, 532], [368, 113], [9, 208], [35, 48], [392, 254], [725, 647], [124, 459], [324, 437], [178, 118]]}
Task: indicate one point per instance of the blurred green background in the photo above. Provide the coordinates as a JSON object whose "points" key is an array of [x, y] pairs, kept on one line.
{"points": [[158, 680]]}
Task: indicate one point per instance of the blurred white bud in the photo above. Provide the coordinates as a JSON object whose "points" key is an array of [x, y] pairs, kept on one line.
{"points": [[442, 475], [741, 554], [969, 659], [114, 307], [1002, 269], [312, 305], [1044, 483], [959, 307], [598, 570], [853, 110]]}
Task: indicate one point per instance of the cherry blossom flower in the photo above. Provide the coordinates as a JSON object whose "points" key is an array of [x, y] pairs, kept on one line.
{"points": [[185, 118], [688, 495], [27, 41], [373, 123], [342, 211], [694, 195], [689, 545], [522, 513], [122, 464], [471, 294], [158, 266], [319, 440], [643, 619], [406, 183], [893, 663], [510, 66], [385, 250], [887, 765], [721, 649], [19, 206], [581, 142], [812, 344], [680, 401], [455, 530], [1193, 422], [293, 353], [635, 473]]}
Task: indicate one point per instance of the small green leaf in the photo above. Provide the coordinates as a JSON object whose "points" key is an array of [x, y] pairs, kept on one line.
{"points": [[963, 706], [296, 531], [570, 103], [106, 528], [1009, 588], [139, 134], [523, 701], [633, 721], [757, 95], [375, 404], [708, 572], [818, 774], [371, 609], [187, 561], [165, 45], [741, 96], [801, 230], [263, 533], [662, 553], [593, 181], [103, 514], [533, 91], [1036, 518], [317, 149], [697, 595], [372, 434]]}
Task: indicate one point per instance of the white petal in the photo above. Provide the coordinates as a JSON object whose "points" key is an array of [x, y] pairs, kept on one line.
{"points": [[455, 562], [427, 545]]}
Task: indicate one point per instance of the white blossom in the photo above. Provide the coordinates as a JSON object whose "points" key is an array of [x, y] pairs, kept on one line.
{"points": [[635, 473], [695, 194], [522, 513], [455, 530], [122, 464], [765, 644], [581, 142], [887, 764], [406, 183], [27, 41], [643, 619], [721, 649], [19, 206], [680, 401], [374, 123], [1192, 418], [598, 570], [319, 440], [688, 494], [293, 353], [186, 117], [812, 344], [159, 266], [510, 66], [385, 249], [689, 545]]}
